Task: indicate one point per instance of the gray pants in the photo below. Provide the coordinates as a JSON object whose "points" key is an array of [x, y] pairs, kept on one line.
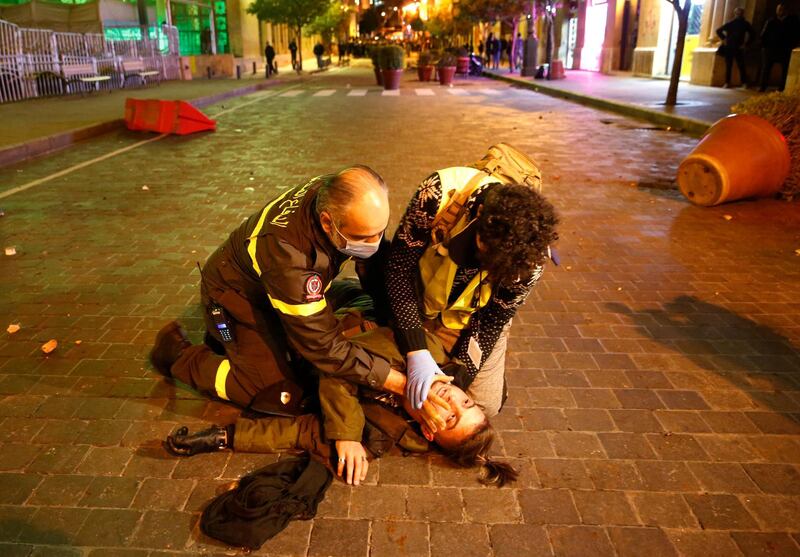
{"points": [[487, 387]]}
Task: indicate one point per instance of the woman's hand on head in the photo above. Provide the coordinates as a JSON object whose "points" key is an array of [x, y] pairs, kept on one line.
{"points": [[352, 459]]}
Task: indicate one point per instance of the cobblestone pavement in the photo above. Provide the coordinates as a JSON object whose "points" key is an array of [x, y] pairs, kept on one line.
{"points": [[654, 375]]}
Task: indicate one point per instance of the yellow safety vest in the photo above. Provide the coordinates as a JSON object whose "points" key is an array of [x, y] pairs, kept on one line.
{"points": [[438, 270]]}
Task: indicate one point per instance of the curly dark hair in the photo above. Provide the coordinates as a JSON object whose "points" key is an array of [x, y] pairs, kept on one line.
{"points": [[473, 451], [516, 225]]}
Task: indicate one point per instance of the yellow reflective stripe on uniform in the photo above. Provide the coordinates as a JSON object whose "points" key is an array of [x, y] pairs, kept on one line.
{"points": [[251, 248], [222, 376], [300, 310]]}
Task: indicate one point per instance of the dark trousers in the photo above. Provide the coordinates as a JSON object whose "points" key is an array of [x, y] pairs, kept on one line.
{"points": [[270, 67], [735, 54], [769, 59]]}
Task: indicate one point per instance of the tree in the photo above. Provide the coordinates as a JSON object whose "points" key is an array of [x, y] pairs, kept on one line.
{"points": [[683, 25], [330, 22], [295, 13]]}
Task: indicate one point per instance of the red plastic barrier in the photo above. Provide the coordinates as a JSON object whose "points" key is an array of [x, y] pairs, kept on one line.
{"points": [[177, 117]]}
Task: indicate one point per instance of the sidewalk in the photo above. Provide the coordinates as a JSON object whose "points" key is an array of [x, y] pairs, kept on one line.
{"points": [[34, 127], [638, 97]]}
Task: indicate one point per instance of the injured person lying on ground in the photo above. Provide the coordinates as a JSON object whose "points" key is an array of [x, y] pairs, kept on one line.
{"points": [[373, 422]]}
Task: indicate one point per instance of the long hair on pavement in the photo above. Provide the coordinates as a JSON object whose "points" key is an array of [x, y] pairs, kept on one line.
{"points": [[474, 451]]}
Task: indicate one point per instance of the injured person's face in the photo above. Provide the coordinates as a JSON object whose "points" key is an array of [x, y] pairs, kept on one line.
{"points": [[462, 416]]}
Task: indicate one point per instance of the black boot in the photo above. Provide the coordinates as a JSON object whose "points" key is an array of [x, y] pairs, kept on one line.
{"points": [[183, 443], [171, 340]]}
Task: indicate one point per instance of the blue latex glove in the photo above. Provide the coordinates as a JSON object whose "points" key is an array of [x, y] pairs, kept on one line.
{"points": [[420, 371]]}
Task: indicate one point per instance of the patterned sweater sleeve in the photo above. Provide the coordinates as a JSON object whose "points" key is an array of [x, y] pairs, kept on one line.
{"points": [[487, 323], [409, 243]]}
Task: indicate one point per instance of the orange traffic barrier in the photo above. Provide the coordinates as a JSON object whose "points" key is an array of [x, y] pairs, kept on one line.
{"points": [[740, 156], [177, 117]]}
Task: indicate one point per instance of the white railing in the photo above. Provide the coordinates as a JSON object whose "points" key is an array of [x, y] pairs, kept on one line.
{"points": [[32, 61]]}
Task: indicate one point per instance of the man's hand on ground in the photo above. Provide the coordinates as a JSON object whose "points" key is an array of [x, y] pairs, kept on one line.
{"points": [[353, 457]]}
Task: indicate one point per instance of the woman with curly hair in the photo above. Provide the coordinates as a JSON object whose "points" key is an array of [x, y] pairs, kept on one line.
{"points": [[466, 286]]}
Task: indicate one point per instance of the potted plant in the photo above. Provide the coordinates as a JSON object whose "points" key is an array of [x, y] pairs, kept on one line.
{"points": [[425, 66], [447, 68], [374, 54], [391, 59]]}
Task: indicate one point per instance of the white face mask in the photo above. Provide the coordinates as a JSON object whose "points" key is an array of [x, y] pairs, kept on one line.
{"points": [[358, 249]]}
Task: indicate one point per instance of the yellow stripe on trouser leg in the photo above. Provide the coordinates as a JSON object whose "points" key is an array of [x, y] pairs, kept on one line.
{"points": [[222, 376]]}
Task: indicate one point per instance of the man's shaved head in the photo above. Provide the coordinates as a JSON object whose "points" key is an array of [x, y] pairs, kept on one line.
{"points": [[356, 200]]}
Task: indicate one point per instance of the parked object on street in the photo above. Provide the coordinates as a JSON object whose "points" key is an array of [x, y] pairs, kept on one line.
{"points": [[782, 110], [176, 117], [446, 68], [740, 156], [392, 59]]}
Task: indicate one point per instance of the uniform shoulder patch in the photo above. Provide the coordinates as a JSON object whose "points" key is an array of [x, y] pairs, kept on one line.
{"points": [[312, 290]]}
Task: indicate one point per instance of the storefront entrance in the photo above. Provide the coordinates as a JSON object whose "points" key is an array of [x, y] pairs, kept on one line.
{"points": [[594, 35]]}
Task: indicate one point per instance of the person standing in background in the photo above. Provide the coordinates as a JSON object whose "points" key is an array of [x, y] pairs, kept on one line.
{"points": [[735, 35], [779, 36]]}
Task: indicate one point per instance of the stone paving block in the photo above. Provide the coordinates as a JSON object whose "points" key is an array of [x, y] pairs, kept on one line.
{"points": [[402, 539], [53, 526], [396, 470], [701, 543], [511, 540], [15, 549], [336, 503], [666, 510], [110, 492], [581, 419], [720, 512], [53, 459], [777, 448], [666, 476], [339, 538], [152, 462], [461, 539], [61, 490], [491, 506], [55, 551], [635, 421], [204, 492], [434, 504], [15, 489], [604, 508], [626, 446], [202, 466], [557, 472], [526, 444], [378, 502], [775, 513], [613, 474], [640, 541], [580, 540], [293, 540], [570, 444], [19, 430], [722, 477], [729, 448], [106, 461], [163, 529], [595, 398], [162, 494], [108, 527], [548, 506], [765, 543], [682, 421], [771, 422], [782, 479], [13, 518], [677, 447]]}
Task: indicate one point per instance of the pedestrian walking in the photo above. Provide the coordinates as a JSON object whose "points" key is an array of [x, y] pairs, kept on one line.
{"points": [[779, 36], [480, 49], [735, 34], [319, 50], [269, 54], [503, 50], [518, 48], [293, 51]]}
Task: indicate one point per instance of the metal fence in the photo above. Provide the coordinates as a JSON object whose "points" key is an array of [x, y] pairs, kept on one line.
{"points": [[40, 63]]}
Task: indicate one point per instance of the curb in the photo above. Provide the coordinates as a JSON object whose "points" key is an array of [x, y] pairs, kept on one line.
{"points": [[47, 145], [680, 123]]}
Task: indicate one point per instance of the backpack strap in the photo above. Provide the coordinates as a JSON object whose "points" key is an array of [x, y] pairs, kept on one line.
{"points": [[447, 218]]}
